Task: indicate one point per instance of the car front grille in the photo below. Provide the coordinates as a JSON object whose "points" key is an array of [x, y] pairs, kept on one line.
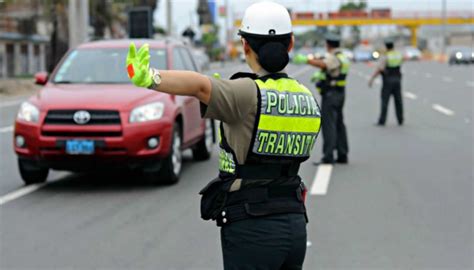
{"points": [[97, 117]]}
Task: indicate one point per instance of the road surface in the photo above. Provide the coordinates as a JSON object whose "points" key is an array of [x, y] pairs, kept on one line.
{"points": [[405, 201]]}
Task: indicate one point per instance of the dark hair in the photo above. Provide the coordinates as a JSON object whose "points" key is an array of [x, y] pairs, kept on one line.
{"points": [[333, 43], [272, 51], [389, 46]]}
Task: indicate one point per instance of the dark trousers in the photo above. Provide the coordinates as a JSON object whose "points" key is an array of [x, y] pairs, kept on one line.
{"points": [[333, 128], [391, 87], [266, 243]]}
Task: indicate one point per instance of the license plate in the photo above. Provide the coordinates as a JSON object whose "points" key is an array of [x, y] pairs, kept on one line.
{"points": [[80, 147]]}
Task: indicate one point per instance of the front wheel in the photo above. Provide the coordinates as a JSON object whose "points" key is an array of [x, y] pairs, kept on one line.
{"points": [[203, 149], [31, 172]]}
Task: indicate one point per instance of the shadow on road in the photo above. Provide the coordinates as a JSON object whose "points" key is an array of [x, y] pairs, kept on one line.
{"points": [[109, 181]]}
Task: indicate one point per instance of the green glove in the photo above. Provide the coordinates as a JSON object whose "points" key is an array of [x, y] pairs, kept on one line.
{"points": [[318, 76], [138, 65], [300, 59], [217, 75]]}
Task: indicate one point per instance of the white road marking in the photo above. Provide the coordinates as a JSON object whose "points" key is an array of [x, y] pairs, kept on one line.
{"points": [[442, 109], [467, 120], [321, 180], [6, 129], [470, 83], [20, 192], [301, 71], [447, 79], [410, 95], [428, 75]]}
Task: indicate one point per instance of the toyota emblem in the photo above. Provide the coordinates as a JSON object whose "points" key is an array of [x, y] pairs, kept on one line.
{"points": [[82, 117]]}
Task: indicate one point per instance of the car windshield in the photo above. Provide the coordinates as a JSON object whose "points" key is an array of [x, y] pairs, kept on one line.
{"points": [[101, 66]]}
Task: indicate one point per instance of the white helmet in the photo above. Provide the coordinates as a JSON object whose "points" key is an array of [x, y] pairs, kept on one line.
{"points": [[266, 19]]}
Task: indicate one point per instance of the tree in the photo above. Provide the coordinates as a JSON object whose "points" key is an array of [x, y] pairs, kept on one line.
{"points": [[352, 6]]}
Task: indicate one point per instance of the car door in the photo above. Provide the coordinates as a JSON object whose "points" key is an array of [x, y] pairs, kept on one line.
{"points": [[189, 105]]}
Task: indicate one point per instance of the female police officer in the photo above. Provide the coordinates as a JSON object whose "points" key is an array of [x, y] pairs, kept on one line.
{"points": [[269, 124]]}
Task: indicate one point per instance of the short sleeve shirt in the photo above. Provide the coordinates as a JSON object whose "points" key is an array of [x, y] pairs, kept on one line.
{"points": [[332, 64], [234, 102], [382, 62]]}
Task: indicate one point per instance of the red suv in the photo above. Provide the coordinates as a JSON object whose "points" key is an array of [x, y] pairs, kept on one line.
{"points": [[89, 116]]}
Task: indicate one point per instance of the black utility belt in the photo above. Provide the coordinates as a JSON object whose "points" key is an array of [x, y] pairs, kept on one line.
{"points": [[234, 213], [223, 206]]}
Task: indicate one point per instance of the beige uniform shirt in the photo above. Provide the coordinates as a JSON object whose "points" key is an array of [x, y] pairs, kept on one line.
{"points": [[234, 102], [332, 64]]}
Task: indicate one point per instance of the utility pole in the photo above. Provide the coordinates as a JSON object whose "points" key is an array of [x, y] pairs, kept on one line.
{"points": [[169, 19], [78, 22], [443, 27]]}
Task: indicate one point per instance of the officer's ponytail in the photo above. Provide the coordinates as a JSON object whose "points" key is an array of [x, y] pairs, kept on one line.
{"points": [[272, 52], [273, 56]]}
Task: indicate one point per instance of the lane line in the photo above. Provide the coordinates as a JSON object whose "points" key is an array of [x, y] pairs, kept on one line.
{"points": [[6, 129], [301, 71], [20, 193], [447, 79], [442, 109], [470, 83], [410, 95], [321, 180]]}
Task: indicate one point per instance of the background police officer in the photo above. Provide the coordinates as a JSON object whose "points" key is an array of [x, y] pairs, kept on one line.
{"points": [[332, 84], [269, 126], [389, 67]]}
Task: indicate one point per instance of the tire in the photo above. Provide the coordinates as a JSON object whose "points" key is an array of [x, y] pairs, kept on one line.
{"points": [[31, 172], [171, 166], [203, 149]]}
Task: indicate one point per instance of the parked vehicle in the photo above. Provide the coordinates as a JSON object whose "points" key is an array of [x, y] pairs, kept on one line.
{"points": [[362, 54], [411, 53], [88, 116], [460, 55], [202, 60]]}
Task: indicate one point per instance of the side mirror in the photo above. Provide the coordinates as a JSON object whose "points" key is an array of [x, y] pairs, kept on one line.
{"points": [[41, 78]]}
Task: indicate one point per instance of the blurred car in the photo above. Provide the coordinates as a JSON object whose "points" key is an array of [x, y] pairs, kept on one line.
{"points": [[202, 60], [88, 116], [319, 52], [363, 54], [460, 55], [411, 53]]}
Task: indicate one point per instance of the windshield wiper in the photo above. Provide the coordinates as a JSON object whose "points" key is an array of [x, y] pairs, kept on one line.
{"points": [[63, 82]]}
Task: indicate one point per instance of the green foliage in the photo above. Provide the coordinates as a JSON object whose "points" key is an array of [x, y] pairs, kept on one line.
{"points": [[361, 5]]}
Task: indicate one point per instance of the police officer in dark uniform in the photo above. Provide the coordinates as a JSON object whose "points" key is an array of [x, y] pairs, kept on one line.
{"points": [[331, 85], [269, 125], [389, 67]]}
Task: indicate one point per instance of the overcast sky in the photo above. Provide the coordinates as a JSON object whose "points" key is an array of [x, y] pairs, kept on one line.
{"points": [[184, 11]]}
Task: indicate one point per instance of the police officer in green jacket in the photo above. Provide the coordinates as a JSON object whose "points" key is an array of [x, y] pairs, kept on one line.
{"points": [[331, 83], [389, 67], [269, 125]]}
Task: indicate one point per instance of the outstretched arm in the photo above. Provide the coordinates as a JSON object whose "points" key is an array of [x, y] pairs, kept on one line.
{"points": [[376, 73], [176, 82]]}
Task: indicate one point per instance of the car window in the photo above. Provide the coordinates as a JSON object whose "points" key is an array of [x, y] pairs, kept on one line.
{"points": [[101, 66], [178, 62], [188, 61]]}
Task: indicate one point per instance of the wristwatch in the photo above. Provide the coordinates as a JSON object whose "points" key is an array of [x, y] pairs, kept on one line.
{"points": [[155, 78]]}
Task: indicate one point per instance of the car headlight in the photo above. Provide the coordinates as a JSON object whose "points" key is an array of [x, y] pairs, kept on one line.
{"points": [[458, 55], [28, 112], [472, 54], [375, 55], [148, 112]]}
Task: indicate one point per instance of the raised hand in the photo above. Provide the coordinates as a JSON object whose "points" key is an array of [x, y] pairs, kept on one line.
{"points": [[138, 65]]}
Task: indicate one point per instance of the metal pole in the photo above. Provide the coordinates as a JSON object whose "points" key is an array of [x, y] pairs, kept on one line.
{"points": [[169, 20], [443, 27]]}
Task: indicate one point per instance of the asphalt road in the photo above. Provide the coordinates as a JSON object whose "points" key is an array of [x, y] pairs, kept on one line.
{"points": [[405, 201]]}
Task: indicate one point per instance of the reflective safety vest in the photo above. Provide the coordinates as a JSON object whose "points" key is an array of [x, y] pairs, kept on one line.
{"points": [[329, 82], [394, 62], [287, 124]]}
